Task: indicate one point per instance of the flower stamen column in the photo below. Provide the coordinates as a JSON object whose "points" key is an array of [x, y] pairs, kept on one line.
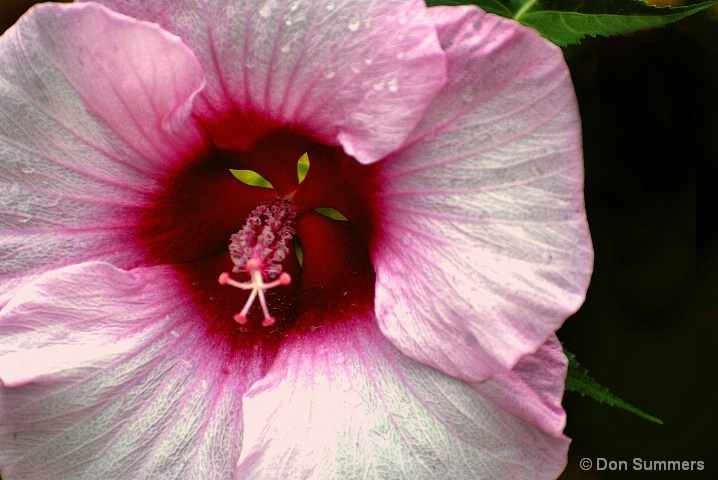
{"points": [[258, 249]]}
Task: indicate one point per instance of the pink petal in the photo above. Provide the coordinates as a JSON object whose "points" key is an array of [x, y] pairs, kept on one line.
{"points": [[359, 73], [485, 250], [342, 402], [104, 374], [533, 390], [94, 108]]}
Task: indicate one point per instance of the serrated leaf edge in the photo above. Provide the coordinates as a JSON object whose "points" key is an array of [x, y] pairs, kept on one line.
{"points": [[578, 380]]}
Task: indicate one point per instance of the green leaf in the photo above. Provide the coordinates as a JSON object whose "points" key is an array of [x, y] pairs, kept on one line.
{"points": [[298, 251], [568, 21], [302, 167], [331, 213], [578, 380], [250, 177], [564, 22]]}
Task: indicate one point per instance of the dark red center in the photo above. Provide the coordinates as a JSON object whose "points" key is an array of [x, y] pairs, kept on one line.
{"points": [[201, 204]]}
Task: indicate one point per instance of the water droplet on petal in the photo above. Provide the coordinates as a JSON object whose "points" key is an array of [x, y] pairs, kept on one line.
{"points": [[393, 85], [379, 85], [368, 61], [329, 74], [285, 48], [353, 24], [24, 213], [330, 6], [265, 11], [27, 167], [381, 437], [400, 55], [294, 5]]}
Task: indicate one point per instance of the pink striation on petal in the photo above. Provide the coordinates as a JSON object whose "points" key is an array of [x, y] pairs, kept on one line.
{"points": [[483, 249], [140, 80], [358, 73], [105, 374], [94, 108], [342, 402]]}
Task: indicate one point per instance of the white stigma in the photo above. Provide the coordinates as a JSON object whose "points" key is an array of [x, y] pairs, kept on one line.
{"points": [[257, 286]]}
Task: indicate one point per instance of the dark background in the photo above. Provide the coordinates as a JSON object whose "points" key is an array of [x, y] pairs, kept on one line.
{"points": [[648, 329], [649, 104]]}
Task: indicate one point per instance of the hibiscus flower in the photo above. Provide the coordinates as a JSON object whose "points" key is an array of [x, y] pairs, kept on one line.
{"points": [[397, 303]]}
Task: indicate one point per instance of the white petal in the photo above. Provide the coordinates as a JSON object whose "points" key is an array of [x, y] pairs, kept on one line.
{"points": [[94, 108], [484, 249], [108, 374], [359, 73], [343, 403]]}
